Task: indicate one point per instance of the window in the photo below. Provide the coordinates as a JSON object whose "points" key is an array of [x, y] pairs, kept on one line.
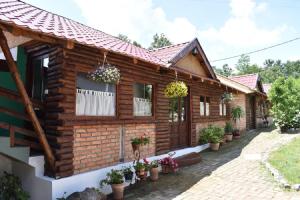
{"points": [[39, 78], [204, 106], [222, 108], [95, 99], [142, 99]]}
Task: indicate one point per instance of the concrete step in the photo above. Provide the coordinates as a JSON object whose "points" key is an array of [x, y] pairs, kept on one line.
{"points": [[19, 153], [188, 159]]}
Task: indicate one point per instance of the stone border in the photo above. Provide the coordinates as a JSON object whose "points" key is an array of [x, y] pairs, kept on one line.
{"points": [[276, 174]]}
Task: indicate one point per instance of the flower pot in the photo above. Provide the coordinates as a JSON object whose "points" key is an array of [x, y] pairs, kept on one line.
{"points": [[128, 176], [228, 137], [141, 173], [118, 191], [237, 136], [165, 169], [154, 174], [214, 147], [135, 147]]}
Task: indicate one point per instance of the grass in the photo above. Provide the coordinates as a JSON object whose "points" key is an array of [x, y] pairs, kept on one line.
{"points": [[287, 161]]}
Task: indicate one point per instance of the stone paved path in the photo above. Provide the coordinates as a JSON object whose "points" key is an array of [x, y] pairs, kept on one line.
{"points": [[235, 172]]}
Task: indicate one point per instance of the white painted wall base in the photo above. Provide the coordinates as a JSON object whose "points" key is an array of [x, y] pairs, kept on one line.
{"points": [[42, 187]]}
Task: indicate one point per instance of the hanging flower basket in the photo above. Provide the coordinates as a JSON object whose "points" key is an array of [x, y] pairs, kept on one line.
{"points": [[176, 89], [227, 97], [105, 74]]}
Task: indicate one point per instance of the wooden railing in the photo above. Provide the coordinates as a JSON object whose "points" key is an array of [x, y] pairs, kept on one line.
{"points": [[20, 135]]}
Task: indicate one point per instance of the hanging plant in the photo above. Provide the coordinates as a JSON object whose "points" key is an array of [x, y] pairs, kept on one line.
{"points": [[106, 74], [176, 89], [227, 97]]}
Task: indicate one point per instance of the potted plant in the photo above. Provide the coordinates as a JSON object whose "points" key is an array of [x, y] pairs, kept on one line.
{"points": [[138, 141], [214, 135], [227, 97], [128, 173], [228, 131], [168, 164], [140, 169], [105, 74], [236, 114], [154, 170], [115, 179], [176, 89]]}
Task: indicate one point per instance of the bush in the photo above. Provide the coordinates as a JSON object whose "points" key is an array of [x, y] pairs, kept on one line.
{"points": [[228, 128], [11, 188], [285, 99], [212, 134]]}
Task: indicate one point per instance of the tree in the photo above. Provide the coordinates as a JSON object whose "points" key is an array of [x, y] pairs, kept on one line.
{"points": [[160, 41], [225, 70], [125, 38], [244, 67], [285, 99]]}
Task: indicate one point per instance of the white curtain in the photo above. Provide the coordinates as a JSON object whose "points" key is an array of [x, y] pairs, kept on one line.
{"points": [[207, 109], [201, 108], [95, 103], [142, 107], [220, 109], [224, 109]]}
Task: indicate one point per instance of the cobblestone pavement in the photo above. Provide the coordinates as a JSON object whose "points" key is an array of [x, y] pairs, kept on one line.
{"points": [[234, 172]]}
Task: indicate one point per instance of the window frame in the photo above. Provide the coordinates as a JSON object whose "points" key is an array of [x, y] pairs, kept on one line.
{"points": [[222, 102], [91, 117], [205, 113], [153, 97]]}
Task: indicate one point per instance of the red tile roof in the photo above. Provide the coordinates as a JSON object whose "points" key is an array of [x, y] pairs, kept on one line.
{"points": [[266, 87], [169, 52], [250, 80], [24, 15]]}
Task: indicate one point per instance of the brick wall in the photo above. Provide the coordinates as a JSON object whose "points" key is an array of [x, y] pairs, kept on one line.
{"points": [[240, 100], [99, 146]]}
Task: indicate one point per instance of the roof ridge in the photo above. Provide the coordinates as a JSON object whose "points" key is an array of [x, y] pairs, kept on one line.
{"points": [[245, 75], [169, 46], [235, 81]]}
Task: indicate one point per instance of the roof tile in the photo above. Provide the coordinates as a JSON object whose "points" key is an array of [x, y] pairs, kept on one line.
{"points": [[249, 80]]}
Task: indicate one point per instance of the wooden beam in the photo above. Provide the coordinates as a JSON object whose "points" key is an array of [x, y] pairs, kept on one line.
{"points": [[28, 105], [135, 61]]}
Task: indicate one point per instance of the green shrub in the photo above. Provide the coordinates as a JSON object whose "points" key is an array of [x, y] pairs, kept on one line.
{"points": [[228, 128], [285, 99], [211, 134], [11, 188], [113, 177]]}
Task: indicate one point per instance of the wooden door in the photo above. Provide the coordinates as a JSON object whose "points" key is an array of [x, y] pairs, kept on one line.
{"points": [[252, 113], [178, 122]]}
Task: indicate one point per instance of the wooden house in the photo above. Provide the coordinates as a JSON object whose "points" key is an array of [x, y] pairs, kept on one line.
{"points": [[49, 106], [251, 98]]}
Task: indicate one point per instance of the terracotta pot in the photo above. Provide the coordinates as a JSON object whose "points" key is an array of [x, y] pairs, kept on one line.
{"points": [[228, 137], [135, 147], [165, 169], [214, 147], [118, 191], [154, 174], [141, 173], [236, 136]]}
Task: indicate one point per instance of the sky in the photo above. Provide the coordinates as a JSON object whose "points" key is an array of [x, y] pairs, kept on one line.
{"points": [[224, 28]]}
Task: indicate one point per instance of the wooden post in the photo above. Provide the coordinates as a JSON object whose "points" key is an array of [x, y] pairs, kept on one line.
{"points": [[28, 105]]}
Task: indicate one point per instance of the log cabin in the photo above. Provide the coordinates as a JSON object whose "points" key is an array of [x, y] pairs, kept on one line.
{"points": [[60, 131], [251, 98]]}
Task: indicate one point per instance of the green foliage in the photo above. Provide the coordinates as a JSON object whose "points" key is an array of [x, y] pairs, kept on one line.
{"points": [[154, 164], [125, 38], [113, 177], [11, 188], [143, 140], [285, 99], [160, 41], [176, 89], [139, 166], [228, 128], [212, 134], [286, 160], [244, 67], [236, 113], [225, 70]]}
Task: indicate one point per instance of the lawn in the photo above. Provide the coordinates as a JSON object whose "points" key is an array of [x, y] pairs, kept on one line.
{"points": [[287, 160]]}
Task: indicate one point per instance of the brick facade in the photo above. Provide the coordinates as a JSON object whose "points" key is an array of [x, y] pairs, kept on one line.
{"points": [[200, 126], [240, 100], [99, 146]]}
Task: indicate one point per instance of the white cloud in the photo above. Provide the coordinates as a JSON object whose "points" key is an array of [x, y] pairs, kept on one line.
{"points": [[241, 30], [137, 19]]}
